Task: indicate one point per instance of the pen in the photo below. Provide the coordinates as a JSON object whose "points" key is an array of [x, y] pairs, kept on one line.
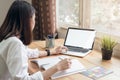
{"points": [[46, 64], [60, 58], [50, 36]]}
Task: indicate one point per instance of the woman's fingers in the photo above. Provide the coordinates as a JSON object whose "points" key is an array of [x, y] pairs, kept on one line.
{"points": [[65, 64]]}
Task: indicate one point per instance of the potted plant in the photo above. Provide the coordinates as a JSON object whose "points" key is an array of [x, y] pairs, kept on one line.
{"points": [[107, 47]]}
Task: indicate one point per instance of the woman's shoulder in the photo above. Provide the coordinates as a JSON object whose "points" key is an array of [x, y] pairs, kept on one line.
{"points": [[13, 40]]}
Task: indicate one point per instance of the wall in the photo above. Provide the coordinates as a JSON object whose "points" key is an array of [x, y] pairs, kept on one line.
{"points": [[4, 6]]}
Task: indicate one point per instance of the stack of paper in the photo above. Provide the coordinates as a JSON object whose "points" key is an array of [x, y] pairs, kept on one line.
{"points": [[46, 63]]}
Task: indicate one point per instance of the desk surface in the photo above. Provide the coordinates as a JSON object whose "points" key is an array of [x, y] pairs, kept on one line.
{"points": [[91, 60]]}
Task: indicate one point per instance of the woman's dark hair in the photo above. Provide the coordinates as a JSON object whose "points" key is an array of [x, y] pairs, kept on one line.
{"points": [[17, 22]]}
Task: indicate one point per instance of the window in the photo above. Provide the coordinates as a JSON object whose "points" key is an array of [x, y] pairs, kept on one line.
{"points": [[105, 16], [73, 13], [68, 13]]}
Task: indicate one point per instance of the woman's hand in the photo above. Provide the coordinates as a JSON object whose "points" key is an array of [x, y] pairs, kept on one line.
{"points": [[64, 64], [59, 49]]}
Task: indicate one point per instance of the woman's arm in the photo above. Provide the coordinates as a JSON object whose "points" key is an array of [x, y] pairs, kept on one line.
{"points": [[17, 62], [62, 65], [57, 50], [35, 53]]}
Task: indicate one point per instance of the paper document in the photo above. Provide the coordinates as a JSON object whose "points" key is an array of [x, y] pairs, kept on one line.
{"points": [[46, 63], [75, 68]]}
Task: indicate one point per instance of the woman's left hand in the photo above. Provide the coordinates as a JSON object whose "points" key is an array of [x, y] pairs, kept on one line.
{"points": [[60, 49]]}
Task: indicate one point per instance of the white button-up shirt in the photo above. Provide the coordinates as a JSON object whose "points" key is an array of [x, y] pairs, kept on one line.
{"points": [[14, 60]]}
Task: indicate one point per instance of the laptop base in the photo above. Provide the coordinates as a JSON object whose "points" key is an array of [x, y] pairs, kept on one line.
{"points": [[78, 54]]}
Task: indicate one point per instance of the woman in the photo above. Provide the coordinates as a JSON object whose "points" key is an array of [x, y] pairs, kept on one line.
{"points": [[15, 35]]}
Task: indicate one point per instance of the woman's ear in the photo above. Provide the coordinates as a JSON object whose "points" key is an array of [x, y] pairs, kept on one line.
{"points": [[32, 22]]}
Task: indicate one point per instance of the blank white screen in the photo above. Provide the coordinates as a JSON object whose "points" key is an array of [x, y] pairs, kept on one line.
{"points": [[80, 38]]}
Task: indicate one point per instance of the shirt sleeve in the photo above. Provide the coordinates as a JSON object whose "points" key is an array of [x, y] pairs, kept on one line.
{"points": [[17, 62], [32, 53]]}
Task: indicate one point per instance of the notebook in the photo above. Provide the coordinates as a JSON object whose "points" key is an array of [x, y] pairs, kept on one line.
{"points": [[47, 63], [79, 41]]}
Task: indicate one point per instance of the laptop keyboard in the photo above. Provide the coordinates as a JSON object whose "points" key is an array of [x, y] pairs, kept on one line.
{"points": [[77, 49]]}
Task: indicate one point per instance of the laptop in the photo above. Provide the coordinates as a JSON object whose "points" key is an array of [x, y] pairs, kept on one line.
{"points": [[79, 41]]}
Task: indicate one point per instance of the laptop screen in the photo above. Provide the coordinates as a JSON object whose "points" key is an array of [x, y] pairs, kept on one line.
{"points": [[77, 37]]}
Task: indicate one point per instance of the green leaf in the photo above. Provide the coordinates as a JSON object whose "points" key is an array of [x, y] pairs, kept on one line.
{"points": [[108, 43]]}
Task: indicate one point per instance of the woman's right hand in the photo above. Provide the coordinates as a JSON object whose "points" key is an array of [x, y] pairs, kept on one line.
{"points": [[64, 64]]}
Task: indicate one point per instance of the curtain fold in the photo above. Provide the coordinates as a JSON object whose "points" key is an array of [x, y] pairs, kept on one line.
{"points": [[45, 18]]}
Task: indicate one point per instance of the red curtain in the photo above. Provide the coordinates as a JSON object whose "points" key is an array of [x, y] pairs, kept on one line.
{"points": [[45, 18]]}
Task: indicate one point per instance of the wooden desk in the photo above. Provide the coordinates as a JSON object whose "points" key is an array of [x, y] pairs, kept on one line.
{"points": [[91, 60]]}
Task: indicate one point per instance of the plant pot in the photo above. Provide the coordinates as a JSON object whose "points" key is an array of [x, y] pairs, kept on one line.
{"points": [[106, 54]]}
